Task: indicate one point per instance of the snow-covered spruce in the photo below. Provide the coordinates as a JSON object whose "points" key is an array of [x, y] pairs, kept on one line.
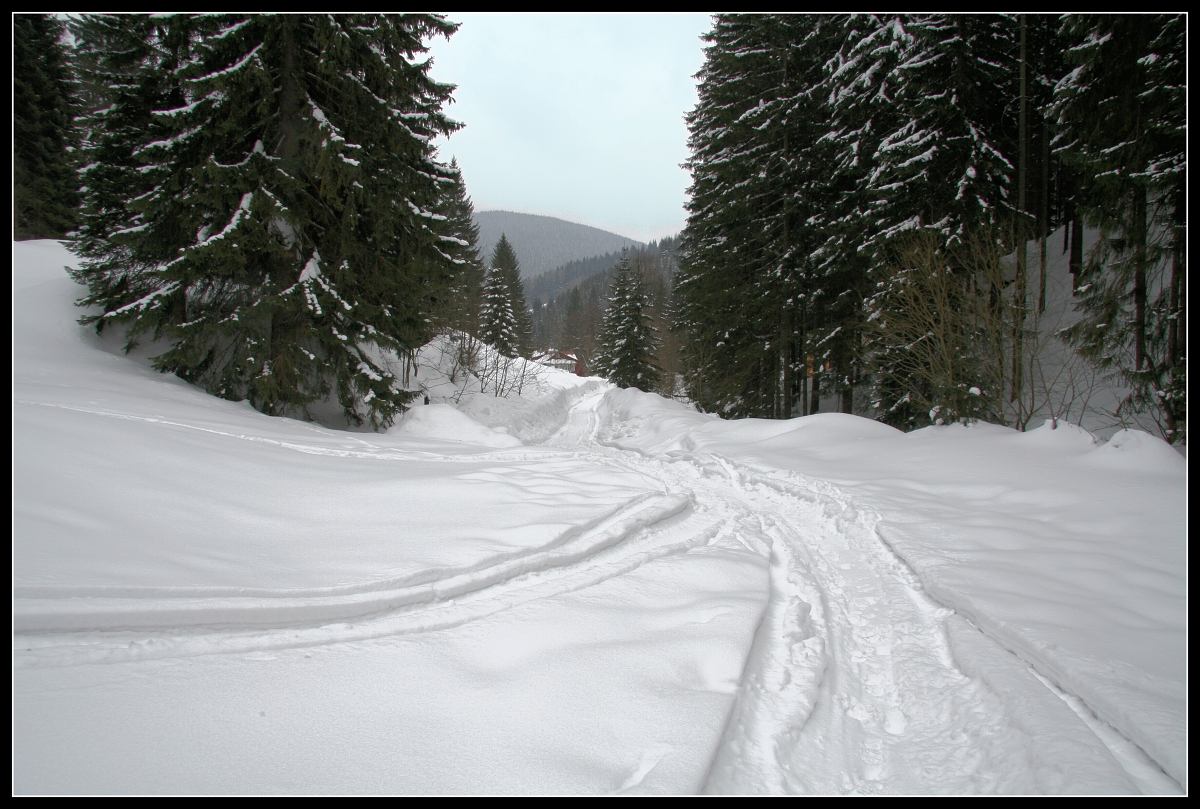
{"points": [[458, 307], [270, 201], [628, 341], [504, 317], [1121, 115]]}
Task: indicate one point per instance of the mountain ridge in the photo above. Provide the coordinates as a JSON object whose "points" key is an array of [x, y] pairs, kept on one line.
{"points": [[545, 243]]}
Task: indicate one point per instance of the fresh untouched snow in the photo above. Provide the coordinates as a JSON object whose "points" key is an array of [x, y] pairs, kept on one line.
{"points": [[573, 590]]}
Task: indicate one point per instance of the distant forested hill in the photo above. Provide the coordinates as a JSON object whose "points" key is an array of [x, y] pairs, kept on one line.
{"points": [[543, 243], [548, 285]]}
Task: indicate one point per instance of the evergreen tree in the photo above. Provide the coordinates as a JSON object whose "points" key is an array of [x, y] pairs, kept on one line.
{"points": [[749, 301], [627, 340], [460, 305], [504, 262], [45, 186], [126, 66], [825, 150], [723, 260], [279, 223], [499, 326], [1121, 113]]}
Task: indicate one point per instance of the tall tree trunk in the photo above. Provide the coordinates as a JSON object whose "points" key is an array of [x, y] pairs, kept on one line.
{"points": [[1174, 330], [1044, 227], [786, 335], [1022, 258], [1177, 328], [289, 100], [1076, 260], [787, 259], [804, 387], [1139, 281]]}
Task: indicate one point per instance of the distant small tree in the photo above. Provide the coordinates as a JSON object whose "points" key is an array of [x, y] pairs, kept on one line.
{"points": [[628, 340], [505, 263], [498, 322]]}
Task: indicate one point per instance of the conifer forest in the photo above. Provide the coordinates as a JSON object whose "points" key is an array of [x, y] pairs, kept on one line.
{"points": [[262, 192]]}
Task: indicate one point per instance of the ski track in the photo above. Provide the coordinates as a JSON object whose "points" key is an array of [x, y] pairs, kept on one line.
{"points": [[851, 685]]}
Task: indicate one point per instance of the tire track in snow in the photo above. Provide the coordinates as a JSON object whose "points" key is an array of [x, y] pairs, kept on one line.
{"points": [[73, 609], [643, 536]]}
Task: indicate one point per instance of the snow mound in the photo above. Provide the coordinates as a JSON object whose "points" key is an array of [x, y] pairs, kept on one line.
{"points": [[1138, 451], [511, 395], [443, 422], [324, 610]]}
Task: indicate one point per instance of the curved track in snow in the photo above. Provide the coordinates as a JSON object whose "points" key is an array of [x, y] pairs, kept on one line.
{"points": [[854, 683]]}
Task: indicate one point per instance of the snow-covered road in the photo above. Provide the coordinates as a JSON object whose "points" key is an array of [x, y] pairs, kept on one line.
{"points": [[583, 590]]}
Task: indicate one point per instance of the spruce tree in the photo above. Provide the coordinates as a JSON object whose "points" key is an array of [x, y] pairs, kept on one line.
{"points": [[750, 303], [498, 322], [45, 186], [505, 263], [735, 166], [126, 69], [460, 303], [279, 225], [1121, 113], [628, 341]]}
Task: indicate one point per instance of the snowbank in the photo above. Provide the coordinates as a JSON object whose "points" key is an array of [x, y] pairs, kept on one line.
{"points": [[442, 421]]}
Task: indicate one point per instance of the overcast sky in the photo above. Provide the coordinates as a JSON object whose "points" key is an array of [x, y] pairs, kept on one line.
{"points": [[578, 116]]}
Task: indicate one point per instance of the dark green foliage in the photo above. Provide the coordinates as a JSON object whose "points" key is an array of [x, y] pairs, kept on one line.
{"points": [[751, 302], [269, 203], [627, 340], [45, 186], [498, 321], [572, 318], [821, 145], [1121, 114], [458, 306], [506, 322]]}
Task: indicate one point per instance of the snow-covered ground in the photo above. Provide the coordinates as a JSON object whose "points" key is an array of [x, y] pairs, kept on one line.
{"points": [[575, 590]]}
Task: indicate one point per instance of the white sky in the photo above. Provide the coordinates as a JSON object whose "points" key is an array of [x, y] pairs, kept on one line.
{"points": [[578, 116]]}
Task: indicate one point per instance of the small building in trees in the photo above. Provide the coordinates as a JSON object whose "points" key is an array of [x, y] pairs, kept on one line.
{"points": [[562, 360]]}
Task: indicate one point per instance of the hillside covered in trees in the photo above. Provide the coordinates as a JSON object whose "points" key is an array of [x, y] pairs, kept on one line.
{"points": [[545, 242]]}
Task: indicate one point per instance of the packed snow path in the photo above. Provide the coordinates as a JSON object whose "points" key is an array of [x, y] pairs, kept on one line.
{"points": [[852, 685]]}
